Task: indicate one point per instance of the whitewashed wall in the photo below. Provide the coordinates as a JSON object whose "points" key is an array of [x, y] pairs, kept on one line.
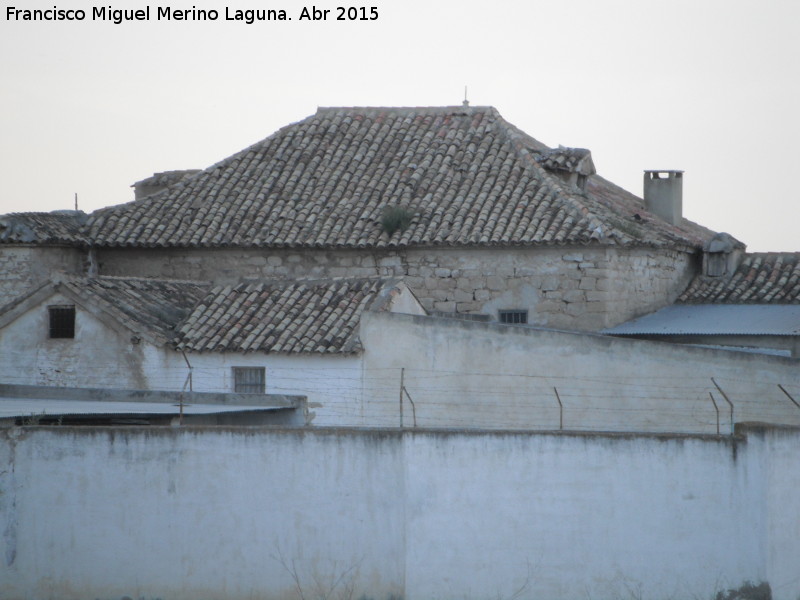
{"points": [[236, 514], [98, 356], [468, 374]]}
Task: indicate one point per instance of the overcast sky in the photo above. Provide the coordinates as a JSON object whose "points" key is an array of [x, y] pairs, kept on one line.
{"points": [[710, 87]]}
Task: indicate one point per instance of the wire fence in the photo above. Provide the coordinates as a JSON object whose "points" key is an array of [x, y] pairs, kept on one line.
{"points": [[349, 393]]}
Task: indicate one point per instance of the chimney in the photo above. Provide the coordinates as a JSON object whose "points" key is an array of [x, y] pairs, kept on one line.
{"points": [[663, 194]]}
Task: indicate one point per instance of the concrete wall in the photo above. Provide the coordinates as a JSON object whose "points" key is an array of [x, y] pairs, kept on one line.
{"points": [[23, 268], [573, 288], [243, 514], [468, 374]]}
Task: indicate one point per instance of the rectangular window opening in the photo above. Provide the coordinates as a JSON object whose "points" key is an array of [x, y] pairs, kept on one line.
{"points": [[249, 380], [514, 317], [62, 322]]}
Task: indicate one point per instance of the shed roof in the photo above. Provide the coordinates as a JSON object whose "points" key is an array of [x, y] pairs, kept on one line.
{"points": [[716, 319]]}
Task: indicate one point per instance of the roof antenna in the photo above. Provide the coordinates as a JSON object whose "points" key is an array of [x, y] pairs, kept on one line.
{"points": [[466, 102]]}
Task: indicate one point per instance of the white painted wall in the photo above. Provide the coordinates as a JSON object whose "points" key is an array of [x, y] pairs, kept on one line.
{"points": [[187, 514], [98, 356], [468, 374]]}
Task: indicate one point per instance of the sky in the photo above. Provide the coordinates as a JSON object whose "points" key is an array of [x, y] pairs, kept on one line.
{"points": [[705, 86]]}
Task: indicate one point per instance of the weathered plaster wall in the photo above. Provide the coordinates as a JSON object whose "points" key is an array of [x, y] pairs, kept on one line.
{"points": [[573, 288], [98, 356], [25, 267], [334, 385], [468, 374], [236, 514]]}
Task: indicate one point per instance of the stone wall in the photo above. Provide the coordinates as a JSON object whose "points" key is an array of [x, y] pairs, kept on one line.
{"points": [[571, 288], [25, 267], [186, 513]]}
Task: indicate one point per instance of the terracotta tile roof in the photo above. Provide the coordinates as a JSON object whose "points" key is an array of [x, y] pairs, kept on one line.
{"points": [[282, 317], [153, 306], [59, 227], [761, 278], [469, 177]]}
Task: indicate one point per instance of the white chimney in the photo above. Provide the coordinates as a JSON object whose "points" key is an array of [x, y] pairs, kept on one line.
{"points": [[663, 194]]}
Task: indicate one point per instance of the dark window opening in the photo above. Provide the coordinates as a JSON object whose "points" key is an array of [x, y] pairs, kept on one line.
{"points": [[514, 317], [248, 380], [62, 322], [716, 264]]}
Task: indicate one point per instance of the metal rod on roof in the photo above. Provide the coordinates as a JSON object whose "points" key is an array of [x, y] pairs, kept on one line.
{"points": [[788, 395], [724, 395], [402, 375], [716, 408], [76, 201], [413, 406], [560, 409]]}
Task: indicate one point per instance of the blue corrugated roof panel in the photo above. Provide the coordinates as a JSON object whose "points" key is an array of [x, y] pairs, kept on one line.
{"points": [[715, 319]]}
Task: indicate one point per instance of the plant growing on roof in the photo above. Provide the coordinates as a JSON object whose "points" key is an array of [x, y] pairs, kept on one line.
{"points": [[396, 218]]}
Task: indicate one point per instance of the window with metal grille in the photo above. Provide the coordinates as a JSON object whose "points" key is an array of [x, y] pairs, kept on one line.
{"points": [[248, 380], [514, 317], [62, 321]]}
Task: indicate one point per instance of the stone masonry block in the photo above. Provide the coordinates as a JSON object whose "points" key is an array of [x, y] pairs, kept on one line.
{"points": [[445, 306], [575, 308], [550, 306], [550, 284], [587, 283], [604, 285], [496, 283], [574, 296], [390, 261], [468, 307], [598, 296], [463, 296]]}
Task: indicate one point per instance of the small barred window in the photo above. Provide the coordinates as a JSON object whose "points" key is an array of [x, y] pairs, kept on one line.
{"points": [[249, 380], [62, 322], [514, 317]]}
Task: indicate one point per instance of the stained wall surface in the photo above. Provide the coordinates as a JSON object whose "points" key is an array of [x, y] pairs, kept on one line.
{"points": [[242, 514]]}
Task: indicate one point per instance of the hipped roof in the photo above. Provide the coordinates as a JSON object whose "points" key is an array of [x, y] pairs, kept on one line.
{"points": [[467, 175]]}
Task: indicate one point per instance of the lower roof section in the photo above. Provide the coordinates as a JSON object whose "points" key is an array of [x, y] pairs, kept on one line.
{"points": [[37, 401], [716, 319]]}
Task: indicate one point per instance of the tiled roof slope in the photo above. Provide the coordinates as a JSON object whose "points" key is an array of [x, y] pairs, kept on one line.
{"points": [[761, 278], [469, 176], [157, 306], [59, 227], [282, 317]]}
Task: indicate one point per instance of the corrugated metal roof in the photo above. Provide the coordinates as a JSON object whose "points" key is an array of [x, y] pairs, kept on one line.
{"points": [[715, 319], [35, 407]]}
